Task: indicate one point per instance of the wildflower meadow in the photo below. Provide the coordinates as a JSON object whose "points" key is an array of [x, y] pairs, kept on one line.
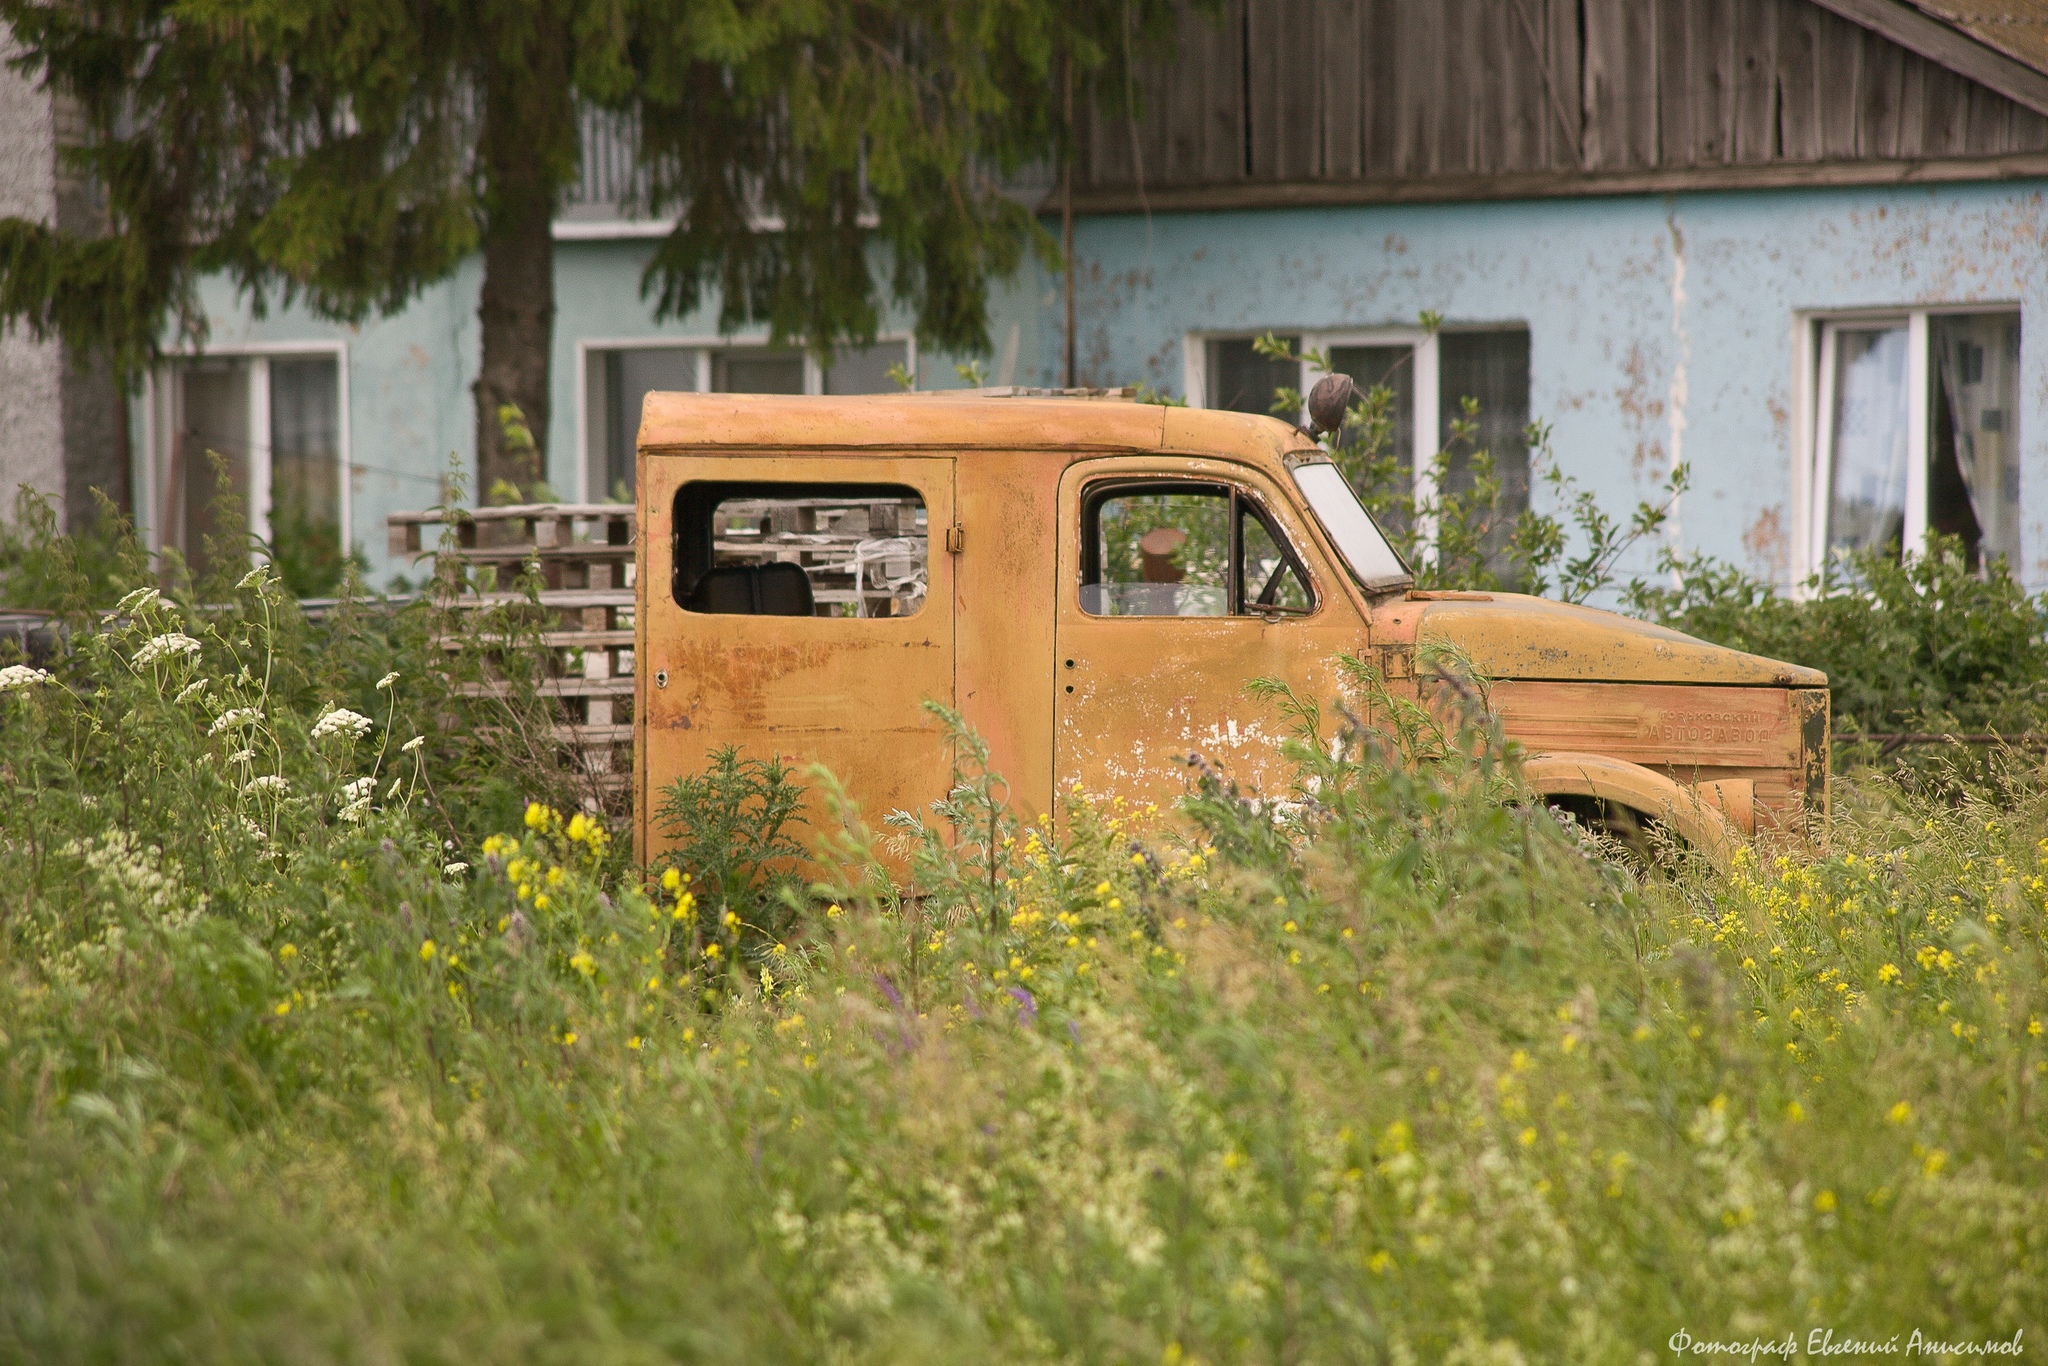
{"points": [[317, 1043]]}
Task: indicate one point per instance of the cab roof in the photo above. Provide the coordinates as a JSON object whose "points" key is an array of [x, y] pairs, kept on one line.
{"points": [[675, 423]]}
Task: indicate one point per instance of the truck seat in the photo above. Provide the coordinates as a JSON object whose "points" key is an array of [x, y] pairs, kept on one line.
{"points": [[753, 590]]}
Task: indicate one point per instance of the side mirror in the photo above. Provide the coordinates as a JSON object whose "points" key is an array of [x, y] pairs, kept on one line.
{"points": [[1328, 402]]}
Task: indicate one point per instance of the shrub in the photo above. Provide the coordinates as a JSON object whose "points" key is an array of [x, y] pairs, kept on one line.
{"points": [[1923, 645], [1399, 1068]]}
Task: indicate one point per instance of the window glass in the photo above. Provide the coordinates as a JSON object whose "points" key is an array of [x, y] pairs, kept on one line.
{"points": [[1242, 380], [865, 370], [1185, 549], [1160, 554], [305, 473], [781, 549], [1867, 497], [757, 370], [1269, 577], [213, 418], [1973, 480], [1492, 369], [630, 376], [1371, 560]]}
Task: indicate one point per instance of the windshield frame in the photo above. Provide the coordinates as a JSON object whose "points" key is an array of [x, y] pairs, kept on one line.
{"points": [[1378, 583]]}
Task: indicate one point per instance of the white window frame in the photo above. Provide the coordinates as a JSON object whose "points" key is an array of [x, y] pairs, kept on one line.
{"points": [[1813, 361], [161, 406], [1427, 423], [705, 346]]}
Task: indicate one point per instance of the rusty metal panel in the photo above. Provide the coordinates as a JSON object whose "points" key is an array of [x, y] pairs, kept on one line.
{"points": [[845, 692], [1136, 696], [1004, 632], [1660, 725], [1509, 635]]}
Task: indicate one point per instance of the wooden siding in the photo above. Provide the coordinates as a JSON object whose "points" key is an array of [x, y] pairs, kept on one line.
{"points": [[1306, 101]]}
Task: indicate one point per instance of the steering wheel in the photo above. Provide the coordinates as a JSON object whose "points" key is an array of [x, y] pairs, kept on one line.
{"points": [[1269, 595]]}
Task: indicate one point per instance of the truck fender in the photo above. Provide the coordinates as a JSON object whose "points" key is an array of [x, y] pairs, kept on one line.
{"points": [[1691, 814]]}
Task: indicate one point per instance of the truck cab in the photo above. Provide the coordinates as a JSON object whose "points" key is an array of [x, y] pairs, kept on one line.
{"points": [[1091, 583]]}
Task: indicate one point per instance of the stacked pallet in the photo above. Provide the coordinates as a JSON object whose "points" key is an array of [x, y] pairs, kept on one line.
{"points": [[864, 555], [585, 555]]}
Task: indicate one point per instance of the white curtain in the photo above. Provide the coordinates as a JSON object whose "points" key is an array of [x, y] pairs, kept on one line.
{"points": [[1978, 358]]}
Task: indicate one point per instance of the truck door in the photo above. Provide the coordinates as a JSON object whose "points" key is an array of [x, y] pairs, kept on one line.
{"points": [[1179, 581], [800, 607]]}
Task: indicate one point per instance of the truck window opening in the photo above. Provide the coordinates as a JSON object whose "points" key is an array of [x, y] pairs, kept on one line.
{"points": [[1185, 549], [800, 550], [1372, 561]]}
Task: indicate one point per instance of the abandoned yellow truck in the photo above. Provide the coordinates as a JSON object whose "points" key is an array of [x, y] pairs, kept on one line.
{"points": [[1091, 584]]}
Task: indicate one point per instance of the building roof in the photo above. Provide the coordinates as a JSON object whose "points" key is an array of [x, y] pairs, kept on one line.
{"points": [[1495, 99]]}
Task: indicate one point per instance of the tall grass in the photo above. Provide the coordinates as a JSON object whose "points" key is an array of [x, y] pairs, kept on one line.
{"points": [[1399, 1069]]}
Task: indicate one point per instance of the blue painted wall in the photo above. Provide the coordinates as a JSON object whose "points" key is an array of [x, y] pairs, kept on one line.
{"points": [[1658, 325]]}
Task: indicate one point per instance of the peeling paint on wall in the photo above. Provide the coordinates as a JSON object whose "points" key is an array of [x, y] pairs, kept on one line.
{"points": [[1678, 394]]}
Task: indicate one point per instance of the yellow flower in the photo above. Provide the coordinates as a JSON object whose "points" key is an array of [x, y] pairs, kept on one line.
{"points": [[2034, 1028], [1795, 1112], [540, 903], [536, 815], [1289, 927], [1824, 1202], [711, 950], [427, 951], [578, 825], [1900, 1113], [288, 952], [568, 1036], [283, 1008], [1888, 973], [1102, 889], [671, 880], [1936, 1160], [583, 962], [1379, 1262], [634, 1042], [1527, 1138]]}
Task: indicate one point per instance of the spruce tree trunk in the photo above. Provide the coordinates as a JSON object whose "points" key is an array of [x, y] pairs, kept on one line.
{"points": [[529, 132], [517, 312]]}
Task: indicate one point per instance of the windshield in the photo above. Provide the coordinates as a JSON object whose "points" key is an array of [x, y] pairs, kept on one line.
{"points": [[1373, 562]]}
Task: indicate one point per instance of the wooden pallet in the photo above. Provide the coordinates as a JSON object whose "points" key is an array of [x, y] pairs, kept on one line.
{"points": [[584, 553]]}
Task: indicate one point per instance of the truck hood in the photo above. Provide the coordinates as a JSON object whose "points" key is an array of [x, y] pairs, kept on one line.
{"points": [[1512, 635]]}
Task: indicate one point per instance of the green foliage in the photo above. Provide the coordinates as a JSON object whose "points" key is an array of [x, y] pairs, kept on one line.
{"points": [[1920, 645], [1398, 1068], [43, 568], [348, 156], [732, 829], [1463, 533]]}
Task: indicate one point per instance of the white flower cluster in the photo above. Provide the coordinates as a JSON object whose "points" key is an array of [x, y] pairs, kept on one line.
{"points": [[139, 599], [166, 646], [269, 782], [256, 578], [341, 721], [234, 719], [410, 745], [192, 690], [21, 676], [455, 869], [387, 680], [355, 797]]}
